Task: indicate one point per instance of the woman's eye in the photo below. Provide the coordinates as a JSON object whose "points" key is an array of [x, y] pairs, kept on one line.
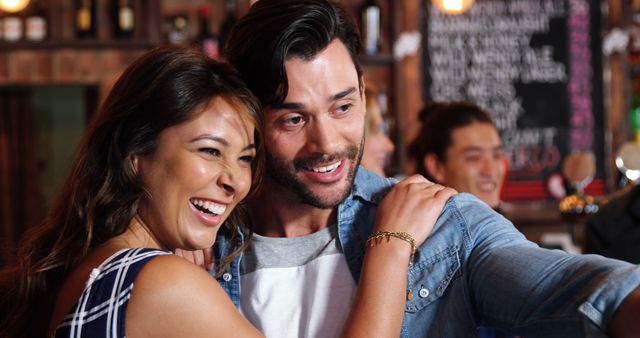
{"points": [[247, 159], [210, 151]]}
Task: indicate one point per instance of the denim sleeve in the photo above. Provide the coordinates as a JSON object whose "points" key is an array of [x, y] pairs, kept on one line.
{"points": [[521, 288]]}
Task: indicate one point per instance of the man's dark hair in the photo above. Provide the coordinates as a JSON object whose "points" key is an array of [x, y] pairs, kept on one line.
{"points": [[275, 31], [439, 120]]}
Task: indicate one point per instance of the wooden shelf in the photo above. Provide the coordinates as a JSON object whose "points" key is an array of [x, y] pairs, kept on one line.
{"points": [[80, 44]]}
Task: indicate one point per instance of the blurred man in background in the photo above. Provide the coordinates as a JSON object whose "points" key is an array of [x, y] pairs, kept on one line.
{"points": [[459, 146]]}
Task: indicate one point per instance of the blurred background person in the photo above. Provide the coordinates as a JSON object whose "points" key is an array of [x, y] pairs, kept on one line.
{"points": [[378, 147], [615, 230], [459, 146]]}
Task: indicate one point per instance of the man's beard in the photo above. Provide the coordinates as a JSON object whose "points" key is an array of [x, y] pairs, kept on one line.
{"points": [[284, 173]]}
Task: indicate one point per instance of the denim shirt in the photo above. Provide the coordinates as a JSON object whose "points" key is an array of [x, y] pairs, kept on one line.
{"points": [[476, 269]]}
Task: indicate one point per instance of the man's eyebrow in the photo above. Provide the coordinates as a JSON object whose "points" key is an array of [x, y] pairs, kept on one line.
{"points": [[300, 106], [474, 148], [342, 94], [287, 106], [470, 149]]}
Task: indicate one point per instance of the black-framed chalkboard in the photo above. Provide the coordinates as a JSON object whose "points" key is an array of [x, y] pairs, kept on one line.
{"points": [[536, 66]]}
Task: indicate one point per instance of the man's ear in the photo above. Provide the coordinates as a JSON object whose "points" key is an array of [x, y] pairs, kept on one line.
{"points": [[434, 167]]}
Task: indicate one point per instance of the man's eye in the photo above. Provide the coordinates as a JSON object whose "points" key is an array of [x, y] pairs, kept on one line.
{"points": [[344, 108], [210, 151], [293, 120]]}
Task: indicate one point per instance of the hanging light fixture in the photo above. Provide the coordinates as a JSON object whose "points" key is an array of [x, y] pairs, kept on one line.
{"points": [[13, 6], [453, 6]]}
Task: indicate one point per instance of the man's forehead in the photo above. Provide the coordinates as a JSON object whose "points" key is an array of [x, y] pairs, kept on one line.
{"points": [[478, 135]]}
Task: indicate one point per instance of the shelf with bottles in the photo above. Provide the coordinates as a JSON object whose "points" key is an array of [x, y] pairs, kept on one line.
{"points": [[82, 24], [204, 23], [375, 21]]}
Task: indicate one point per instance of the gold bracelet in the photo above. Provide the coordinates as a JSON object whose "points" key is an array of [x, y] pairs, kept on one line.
{"points": [[376, 237]]}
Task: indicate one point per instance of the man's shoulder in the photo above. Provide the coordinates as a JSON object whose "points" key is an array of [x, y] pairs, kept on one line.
{"points": [[467, 209], [370, 186]]}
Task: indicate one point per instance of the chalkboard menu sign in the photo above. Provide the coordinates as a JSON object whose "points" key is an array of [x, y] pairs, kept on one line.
{"points": [[536, 66]]}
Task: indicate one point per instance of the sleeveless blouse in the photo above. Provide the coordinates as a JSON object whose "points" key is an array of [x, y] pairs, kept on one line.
{"points": [[101, 309]]}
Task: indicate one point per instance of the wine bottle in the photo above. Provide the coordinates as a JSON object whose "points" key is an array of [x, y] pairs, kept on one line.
{"points": [[634, 118], [1, 25], [370, 26], [178, 33], [36, 23], [228, 23], [123, 18], [85, 20], [12, 27], [206, 41]]}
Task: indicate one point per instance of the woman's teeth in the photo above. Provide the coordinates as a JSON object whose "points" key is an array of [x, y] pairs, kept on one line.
{"points": [[209, 207]]}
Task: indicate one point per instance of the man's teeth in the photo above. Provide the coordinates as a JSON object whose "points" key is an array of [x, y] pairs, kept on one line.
{"points": [[210, 207], [488, 186], [328, 168]]}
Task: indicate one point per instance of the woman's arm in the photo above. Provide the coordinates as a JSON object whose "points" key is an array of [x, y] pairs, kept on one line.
{"points": [[412, 206], [175, 298], [625, 321]]}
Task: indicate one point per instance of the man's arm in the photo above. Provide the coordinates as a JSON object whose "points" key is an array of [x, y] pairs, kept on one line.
{"points": [[626, 321], [523, 289]]}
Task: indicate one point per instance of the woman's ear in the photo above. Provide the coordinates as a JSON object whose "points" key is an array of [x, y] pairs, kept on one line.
{"points": [[434, 167], [134, 164]]}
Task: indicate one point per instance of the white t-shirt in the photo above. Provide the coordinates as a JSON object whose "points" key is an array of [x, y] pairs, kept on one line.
{"points": [[297, 287]]}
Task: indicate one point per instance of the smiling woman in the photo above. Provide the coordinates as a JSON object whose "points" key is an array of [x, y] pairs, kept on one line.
{"points": [[162, 165]]}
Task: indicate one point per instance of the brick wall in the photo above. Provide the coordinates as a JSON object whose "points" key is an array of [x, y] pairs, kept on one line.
{"points": [[63, 66]]}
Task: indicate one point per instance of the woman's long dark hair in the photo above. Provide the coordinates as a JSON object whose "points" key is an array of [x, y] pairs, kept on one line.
{"points": [[163, 88]]}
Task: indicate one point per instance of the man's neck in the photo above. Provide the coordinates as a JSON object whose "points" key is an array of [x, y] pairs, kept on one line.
{"points": [[278, 212]]}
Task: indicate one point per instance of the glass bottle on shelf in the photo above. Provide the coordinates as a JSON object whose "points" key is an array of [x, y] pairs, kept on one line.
{"points": [[12, 27], [36, 22], [206, 41], [1, 26], [627, 158], [227, 24], [370, 16], [123, 18], [85, 18], [634, 118], [178, 32]]}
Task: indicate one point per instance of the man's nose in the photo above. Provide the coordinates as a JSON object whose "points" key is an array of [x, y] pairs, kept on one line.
{"points": [[322, 136], [490, 166]]}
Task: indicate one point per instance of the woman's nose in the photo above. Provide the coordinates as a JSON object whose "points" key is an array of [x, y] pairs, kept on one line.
{"points": [[234, 180]]}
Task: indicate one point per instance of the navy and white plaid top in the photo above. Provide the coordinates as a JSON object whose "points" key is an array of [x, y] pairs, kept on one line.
{"points": [[101, 309]]}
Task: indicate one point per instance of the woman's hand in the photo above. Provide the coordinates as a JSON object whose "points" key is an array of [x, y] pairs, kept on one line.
{"points": [[412, 206]]}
